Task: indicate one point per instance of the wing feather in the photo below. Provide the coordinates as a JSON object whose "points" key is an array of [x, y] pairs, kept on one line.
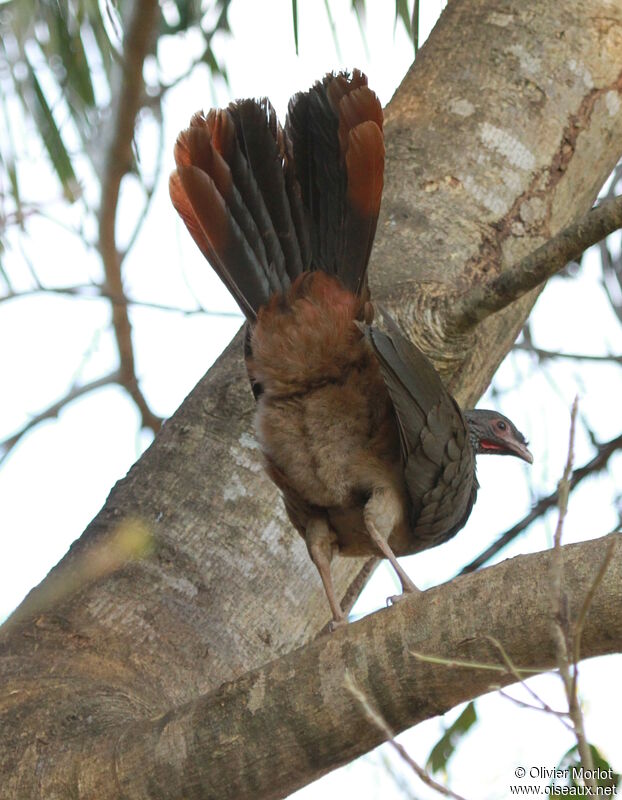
{"points": [[439, 463]]}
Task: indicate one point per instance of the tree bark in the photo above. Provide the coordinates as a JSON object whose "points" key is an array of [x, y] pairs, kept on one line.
{"points": [[501, 134], [295, 717]]}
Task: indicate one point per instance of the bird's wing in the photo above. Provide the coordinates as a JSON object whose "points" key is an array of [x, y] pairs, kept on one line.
{"points": [[438, 459]]}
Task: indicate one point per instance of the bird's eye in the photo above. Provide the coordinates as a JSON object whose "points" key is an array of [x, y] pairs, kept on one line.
{"points": [[501, 425]]}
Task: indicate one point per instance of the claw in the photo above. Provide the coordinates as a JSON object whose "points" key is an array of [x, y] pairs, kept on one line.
{"points": [[395, 598]]}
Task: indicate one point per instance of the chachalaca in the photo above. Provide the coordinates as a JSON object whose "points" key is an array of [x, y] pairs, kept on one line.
{"points": [[371, 453]]}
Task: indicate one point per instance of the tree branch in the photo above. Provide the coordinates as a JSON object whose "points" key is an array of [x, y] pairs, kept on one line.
{"points": [[150, 190], [561, 626], [118, 159], [229, 585], [295, 718], [93, 291], [53, 410], [497, 292], [550, 355], [599, 462]]}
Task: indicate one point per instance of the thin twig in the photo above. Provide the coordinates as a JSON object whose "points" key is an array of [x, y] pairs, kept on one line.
{"points": [[127, 99], [580, 623], [452, 662], [53, 410], [150, 190], [33, 209], [221, 26], [166, 87], [563, 490], [399, 779], [567, 670], [543, 706], [376, 719], [548, 710], [545, 355], [498, 291], [93, 291], [604, 452], [29, 265]]}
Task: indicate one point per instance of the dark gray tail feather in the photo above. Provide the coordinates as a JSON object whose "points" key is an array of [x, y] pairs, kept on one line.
{"points": [[264, 204], [336, 132]]}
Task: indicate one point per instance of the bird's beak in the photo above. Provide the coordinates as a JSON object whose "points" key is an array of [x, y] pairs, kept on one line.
{"points": [[521, 451]]}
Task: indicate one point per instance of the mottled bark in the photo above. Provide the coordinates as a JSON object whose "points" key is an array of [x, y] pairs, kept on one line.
{"points": [[295, 717], [499, 136], [466, 307]]}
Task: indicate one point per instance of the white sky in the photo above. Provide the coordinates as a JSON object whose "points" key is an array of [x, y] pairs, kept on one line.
{"points": [[56, 480]]}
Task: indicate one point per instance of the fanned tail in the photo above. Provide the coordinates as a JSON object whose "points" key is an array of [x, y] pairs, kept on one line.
{"points": [[338, 146], [266, 204], [235, 191]]}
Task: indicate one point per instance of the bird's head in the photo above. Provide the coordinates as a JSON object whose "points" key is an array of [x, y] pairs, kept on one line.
{"points": [[491, 432]]}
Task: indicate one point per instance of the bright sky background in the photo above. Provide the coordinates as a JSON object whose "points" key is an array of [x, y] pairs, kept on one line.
{"points": [[56, 480]]}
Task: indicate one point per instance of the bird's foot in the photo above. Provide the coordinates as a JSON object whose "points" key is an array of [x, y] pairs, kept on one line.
{"points": [[412, 589], [337, 623]]}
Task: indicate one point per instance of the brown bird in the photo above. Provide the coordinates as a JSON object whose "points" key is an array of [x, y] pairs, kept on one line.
{"points": [[371, 453]]}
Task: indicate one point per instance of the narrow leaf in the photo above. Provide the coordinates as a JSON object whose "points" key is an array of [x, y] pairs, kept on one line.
{"points": [[402, 13], [104, 45], [333, 28], [415, 26], [52, 139], [358, 6], [7, 156], [447, 744], [570, 771], [3, 273], [70, 48], [223, 21], [295, 21]]}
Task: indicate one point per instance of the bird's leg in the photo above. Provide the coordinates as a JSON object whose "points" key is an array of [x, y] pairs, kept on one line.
{"points": [[321, 544], [382, 513], [407, 585]]}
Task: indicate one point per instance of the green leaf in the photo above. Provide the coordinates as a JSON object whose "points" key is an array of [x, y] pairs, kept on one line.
{"points": [[447, 744], [295, 21], [106, 49], [67, 43], [7, 159], [221, 26], [570, 771], [402, 13], [8, 164], [214, 67], [415, 26], [3, 273], [61, 45], [52, 139], [223, 20], [358, 6], [333, 28], [189, 15]]}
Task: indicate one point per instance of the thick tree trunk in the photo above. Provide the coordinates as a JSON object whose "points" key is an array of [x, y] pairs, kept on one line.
{"points": [[502, 133]]}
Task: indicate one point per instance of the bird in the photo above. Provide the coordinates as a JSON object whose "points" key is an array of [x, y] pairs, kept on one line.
{"points": [[370, 452]]}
